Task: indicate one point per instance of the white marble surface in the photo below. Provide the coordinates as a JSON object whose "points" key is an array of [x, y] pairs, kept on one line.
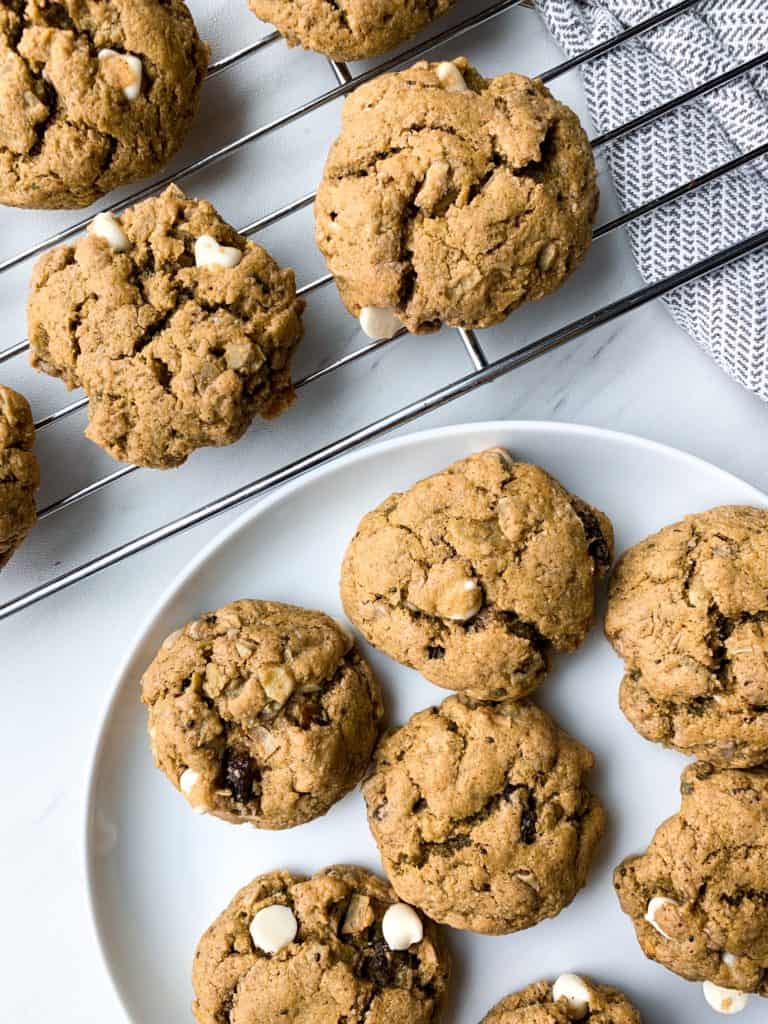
{"points": [[57, 660]]}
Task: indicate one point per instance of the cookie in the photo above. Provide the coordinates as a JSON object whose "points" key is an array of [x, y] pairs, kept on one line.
{"points": [[569, 998], [19, 472], [688, 612], [482, 814], [452, 199], [262, 712], [95, 94], [179, 329], [476, 573], [348, 29], [697, 896], [319, 951]]}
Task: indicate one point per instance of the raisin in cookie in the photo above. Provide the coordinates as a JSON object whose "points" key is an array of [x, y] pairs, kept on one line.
{"points": [[482, 814], [688, 612], [262, 713], [331, 948], [94, 94], [19, 472], [348, 29], [475, 573], [697, 896], [449, 198], [179, 329], [569, 998]]}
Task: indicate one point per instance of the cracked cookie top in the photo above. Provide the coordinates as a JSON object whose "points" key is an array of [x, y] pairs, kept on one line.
{"points": [[333, 962], [179, 329], [262, 712], [475, 573], [19, 472], [539, 1004], [482, 814], [449, 198], [94, 93], [688, 612], [698, 896], [348, 29]]}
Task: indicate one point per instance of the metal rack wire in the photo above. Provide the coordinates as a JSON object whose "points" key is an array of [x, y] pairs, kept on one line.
{"points": [[483, 371]]}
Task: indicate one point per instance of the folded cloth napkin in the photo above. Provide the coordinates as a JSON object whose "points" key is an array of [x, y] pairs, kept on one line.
{"points": [[727, 311]]}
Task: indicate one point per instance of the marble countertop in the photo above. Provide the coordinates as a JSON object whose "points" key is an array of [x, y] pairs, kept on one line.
{"points": [[640, 374]]}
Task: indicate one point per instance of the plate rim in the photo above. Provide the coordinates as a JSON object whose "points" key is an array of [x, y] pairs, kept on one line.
{"points": [[261, 505]]}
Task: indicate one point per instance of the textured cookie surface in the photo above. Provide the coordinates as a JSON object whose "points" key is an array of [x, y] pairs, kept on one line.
{"points": [[172, 355], [536, 1005], [338, 968], [482, 814], [473, 574], [688, 612], [454, 206], [709, 863], [76, 124], [348, 29], [19, 472], [262, 712]]}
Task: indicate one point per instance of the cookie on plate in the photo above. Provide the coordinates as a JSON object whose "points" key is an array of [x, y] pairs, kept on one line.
{"points": [[452, 199], [348, 29], [179, 329], [570, 997], [19, 472], [482, 814], [697, 896], [95, 93], [688, 612], [334, 947], [476, 573], [262, 712]]}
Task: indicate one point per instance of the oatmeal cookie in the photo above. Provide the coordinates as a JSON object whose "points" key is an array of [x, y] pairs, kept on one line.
{"points": [[262, 712], [475, 573], [482, 814], [19, 472], [569, 998]]}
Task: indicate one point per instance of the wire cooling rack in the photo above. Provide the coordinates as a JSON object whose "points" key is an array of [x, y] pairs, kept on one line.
{"points": [[482, 370]]}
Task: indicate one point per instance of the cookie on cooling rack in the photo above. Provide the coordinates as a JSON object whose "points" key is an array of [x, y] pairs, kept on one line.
{"points": [[179, 329], [19, 472], [688, 612], [452, 199], [569, 997], [474, 574], [334, 947], [95, 95], [262, 713], [482, 814], [697, 895], [348, 29]]}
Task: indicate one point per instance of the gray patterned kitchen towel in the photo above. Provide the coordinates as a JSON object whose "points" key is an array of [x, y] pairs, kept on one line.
{"points": [[726, 312]]}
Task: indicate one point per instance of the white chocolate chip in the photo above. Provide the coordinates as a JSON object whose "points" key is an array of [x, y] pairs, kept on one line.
{"points": [[273, 928], [130, 74], [725, 1000], [654, 906], [575, 992], [208, 253], [461, 604], [729, 959], [450, 77], [401, 926], [379, 322], [187, 784], [107, 226], [278, 682]]}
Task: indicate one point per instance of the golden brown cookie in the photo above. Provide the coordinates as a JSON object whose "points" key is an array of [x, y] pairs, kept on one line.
{"points": [[19, 472], [569, 998], [315, 951], [262, 712], [449, 198], [688, 612], [475, 573], [697, 896], [349, 29], [179, 329], [482, 814], [94, 94]]}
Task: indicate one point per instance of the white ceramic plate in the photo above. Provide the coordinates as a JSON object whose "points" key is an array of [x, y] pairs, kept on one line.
{"points": [[158, 874]]}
